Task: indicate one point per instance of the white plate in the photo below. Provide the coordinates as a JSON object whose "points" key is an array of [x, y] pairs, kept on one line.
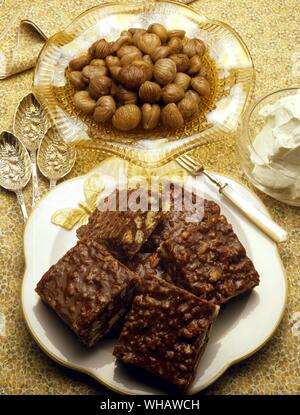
{"points": [[243, 326]]}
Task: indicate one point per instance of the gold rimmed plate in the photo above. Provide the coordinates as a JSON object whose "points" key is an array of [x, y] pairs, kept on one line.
{"points": [[244, 325], [227, 60]]}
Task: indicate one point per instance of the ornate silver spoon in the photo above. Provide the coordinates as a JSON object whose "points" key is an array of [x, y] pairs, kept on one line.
{"points": [[15, 167], [55, 158], [30, 126]]}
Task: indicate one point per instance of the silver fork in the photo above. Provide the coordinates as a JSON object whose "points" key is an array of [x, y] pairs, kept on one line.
{"points": [[262, 221]]}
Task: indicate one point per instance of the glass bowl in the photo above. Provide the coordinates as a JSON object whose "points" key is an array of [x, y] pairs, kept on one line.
{"points": [[276, 173], [227, 60]]}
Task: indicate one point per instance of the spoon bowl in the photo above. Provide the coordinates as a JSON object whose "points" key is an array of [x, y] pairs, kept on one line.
{"points": [[30, 122], [15, 166], [55, 158]]}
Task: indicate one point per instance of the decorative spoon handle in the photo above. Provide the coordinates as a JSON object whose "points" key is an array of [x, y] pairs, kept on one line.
{"points": [[261, 220], [35, 183], [52, 184], [35, 26], [21, 201]]}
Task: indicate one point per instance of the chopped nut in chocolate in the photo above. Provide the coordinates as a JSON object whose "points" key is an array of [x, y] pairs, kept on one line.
{"points": [[166, 331], [147, 265], [123, 232], [206, 257], [89, 289]]}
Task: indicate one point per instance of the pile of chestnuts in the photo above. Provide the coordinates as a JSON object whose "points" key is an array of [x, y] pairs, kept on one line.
{"points": [[146, 77]]}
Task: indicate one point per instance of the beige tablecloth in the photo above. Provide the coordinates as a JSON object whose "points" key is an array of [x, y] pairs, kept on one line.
{"points": [[270, 30]]}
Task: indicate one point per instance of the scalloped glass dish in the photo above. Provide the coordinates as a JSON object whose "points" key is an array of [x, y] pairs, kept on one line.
{"points": [[228, 61]]}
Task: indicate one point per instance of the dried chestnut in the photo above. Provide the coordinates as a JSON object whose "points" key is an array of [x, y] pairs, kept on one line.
{"points": [[172, 93], [176, 45], [164, 71], [77, 80], [131, 76], [171, 117], [201, 85], [101, 49], [99, 86], [90, 70], [183, 80], [84, 103], [78, 63], [194, 47], [195, 65], [188, 107], [127, 117], [150, 116], [148, 42], [182, 61], [150, 92], [159, 30], [126, 96], [105, 109]]}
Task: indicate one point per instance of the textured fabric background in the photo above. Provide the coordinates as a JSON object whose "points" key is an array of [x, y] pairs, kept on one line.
{"points": [[270, 30]]}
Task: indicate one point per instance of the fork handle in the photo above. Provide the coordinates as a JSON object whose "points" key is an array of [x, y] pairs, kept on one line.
{"points": [[266, 224]]}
